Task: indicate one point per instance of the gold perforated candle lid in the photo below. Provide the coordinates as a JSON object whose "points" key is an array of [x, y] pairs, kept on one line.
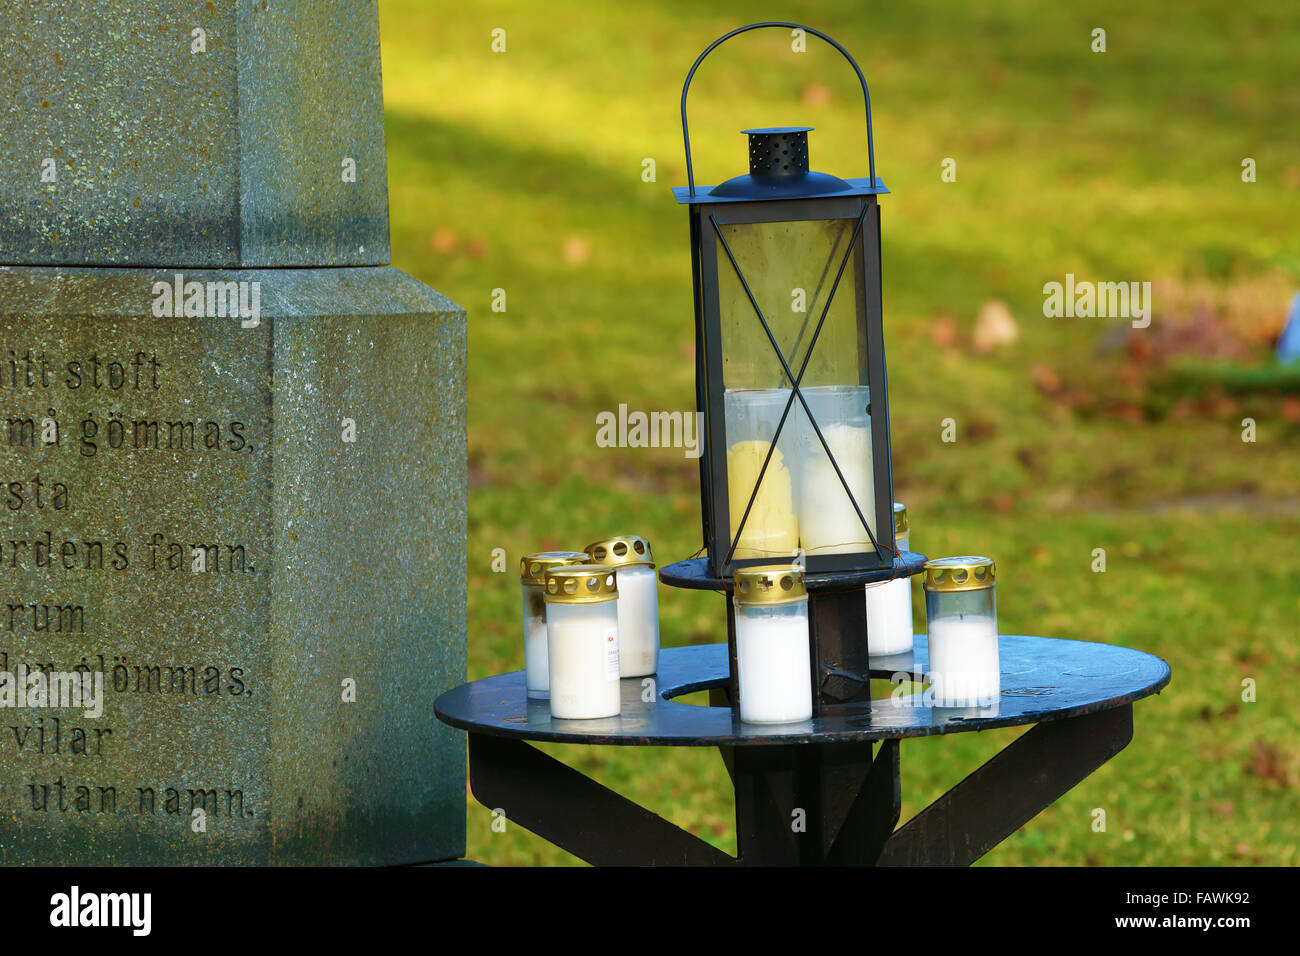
{"points": [[579, 584], [621, 550], [769, 584], [900, 518], [533, 567], [969, 573]]}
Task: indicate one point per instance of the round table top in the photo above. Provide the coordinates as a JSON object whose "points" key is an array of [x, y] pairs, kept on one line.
{"points": [[1042, 679]]}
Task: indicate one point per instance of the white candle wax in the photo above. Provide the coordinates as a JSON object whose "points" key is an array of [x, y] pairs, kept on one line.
{"points": [[536, 678], [964, 660], [638, 621], [889, 618], [536, 669], [828, 524], [889, 613], [582, 646], [772, 660]]}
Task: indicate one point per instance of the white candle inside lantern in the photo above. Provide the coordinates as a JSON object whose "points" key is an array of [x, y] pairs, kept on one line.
{"points": [[752, 416], [771, 527], [828, 522], [889, 604]]}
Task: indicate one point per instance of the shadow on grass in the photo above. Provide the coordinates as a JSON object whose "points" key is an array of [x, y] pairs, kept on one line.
{"points": [[433, 151]]}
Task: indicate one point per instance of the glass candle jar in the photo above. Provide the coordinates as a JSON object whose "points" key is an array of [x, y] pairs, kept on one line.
{"points": [[582, 641], [962, 625], [772, 655], [771, 530], [889, 604], [828, 522], [638, 601], [532, 572]]}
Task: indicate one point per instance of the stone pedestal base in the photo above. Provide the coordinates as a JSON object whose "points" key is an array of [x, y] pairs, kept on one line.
{"points": [[252, 526]]}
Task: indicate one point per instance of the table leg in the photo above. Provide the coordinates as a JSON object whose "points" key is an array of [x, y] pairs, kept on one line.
{"points": [[1010, 790], [815, 804], [804, 805], [870, 819], [777, 801], [572, 811]]}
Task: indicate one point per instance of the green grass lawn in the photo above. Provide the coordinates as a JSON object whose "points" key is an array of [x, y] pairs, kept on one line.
{"points": [[522, 171]]}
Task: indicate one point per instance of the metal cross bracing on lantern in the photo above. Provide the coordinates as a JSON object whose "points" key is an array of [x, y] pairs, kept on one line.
{"points": [[790, 369]]}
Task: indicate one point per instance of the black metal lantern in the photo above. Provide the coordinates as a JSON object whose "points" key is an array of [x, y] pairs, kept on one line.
{"points": [[790, 362]]}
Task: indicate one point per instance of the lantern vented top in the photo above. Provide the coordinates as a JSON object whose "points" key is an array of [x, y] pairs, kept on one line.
{"points": [[778, 169], [778, 152]]}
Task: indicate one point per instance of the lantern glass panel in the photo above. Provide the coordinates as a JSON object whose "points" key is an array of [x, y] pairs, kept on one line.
{"points": [[790, 267]]}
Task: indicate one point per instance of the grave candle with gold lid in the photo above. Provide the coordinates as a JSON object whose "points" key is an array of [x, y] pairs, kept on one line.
{"points": [[582, 641], [962, 624], [532, 573], [772, 654], [889, 604], [638, 600]]}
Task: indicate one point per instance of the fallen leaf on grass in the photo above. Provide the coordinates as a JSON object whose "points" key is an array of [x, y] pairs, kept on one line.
{"points": [[1253, 658], [1048, 382], [994, 326], [817, 94], [1268, 762], [1129, 412], [444, 240], [576, 250], [943, 333], [1130, 375]]}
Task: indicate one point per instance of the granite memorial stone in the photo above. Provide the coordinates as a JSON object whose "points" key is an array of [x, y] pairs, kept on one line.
{"points": [[232, 449]]}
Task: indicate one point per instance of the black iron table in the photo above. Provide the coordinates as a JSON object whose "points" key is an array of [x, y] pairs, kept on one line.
{"points": [[810, 793]]}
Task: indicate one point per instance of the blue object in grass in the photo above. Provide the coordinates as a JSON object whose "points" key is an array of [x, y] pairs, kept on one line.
{"points": [[1288, 346]]}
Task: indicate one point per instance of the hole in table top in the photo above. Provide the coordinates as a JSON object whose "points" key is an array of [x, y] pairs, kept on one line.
{"points": [[881, 689]]}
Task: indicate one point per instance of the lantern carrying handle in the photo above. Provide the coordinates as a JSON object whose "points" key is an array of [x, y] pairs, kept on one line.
{"points": [[866, 97]]}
